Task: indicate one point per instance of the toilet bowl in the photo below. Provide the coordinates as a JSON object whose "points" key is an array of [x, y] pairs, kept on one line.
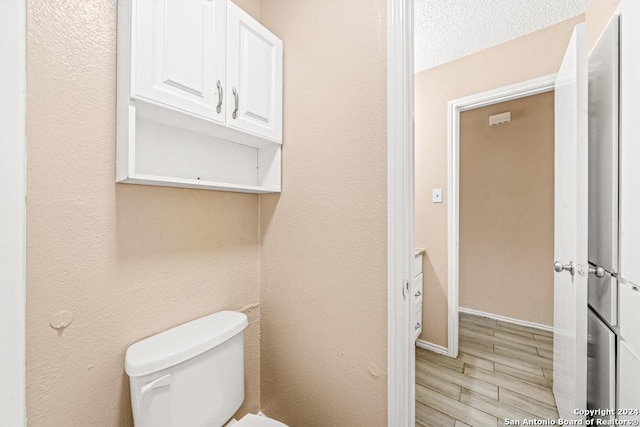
{"points": [[192, 375]]}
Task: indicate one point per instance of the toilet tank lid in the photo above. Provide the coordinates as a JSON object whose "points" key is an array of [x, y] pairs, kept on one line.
{"points": [[182, 343]]}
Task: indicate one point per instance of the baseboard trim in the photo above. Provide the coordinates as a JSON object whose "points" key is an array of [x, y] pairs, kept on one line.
{"points": [[432, 347], [506, 319]]}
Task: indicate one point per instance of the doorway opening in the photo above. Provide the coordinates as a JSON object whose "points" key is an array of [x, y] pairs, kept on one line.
{"points": [[500, 247], [457, 107]]}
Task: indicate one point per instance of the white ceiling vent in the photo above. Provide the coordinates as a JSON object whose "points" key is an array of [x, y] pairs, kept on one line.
{"points": [[500, 119]]}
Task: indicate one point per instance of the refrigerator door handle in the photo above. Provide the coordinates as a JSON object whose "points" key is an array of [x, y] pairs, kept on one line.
{"points": [[560, 267], [598, 271]]}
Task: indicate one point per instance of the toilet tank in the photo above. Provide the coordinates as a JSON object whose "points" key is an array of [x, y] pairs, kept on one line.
{"points": [[191, 375]]}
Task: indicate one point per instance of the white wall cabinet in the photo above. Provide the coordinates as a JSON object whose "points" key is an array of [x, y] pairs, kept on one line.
{"points": [[199, 96]]}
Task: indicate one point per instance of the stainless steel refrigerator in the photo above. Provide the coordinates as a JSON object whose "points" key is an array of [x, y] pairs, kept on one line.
{"points": [[603, 220]]}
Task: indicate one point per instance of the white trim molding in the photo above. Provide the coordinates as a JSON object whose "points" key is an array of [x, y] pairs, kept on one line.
{"points": [[455, 107], [400, 214], [12, 212], [432, 347], [506, 319]]}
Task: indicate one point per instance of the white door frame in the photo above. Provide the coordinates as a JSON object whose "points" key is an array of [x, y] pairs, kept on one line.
{"points": [[455, 107], [12, 212], [400, 214]]}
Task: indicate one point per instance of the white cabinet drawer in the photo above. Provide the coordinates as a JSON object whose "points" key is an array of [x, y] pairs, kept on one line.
{"points": [[418, 285], [417, 290], [630, 315], [629, 378], [417, 323], [417, 265]]}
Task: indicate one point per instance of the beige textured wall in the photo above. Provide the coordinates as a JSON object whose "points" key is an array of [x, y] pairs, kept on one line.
{"points": [[252, 7], [128, 261], [528, 57], [597, 15], [323, 292], [506, 210]]}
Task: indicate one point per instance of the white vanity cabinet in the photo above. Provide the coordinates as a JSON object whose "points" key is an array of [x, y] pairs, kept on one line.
{"points": [[417, 292], [199, 96]]}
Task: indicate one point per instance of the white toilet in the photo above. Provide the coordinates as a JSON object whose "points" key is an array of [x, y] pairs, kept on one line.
{"points": [[192, 375]]}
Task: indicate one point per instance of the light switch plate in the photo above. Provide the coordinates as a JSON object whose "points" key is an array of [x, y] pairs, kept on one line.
{"points": [[436, 196]]}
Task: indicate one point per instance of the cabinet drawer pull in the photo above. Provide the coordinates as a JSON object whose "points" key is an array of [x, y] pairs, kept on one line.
{"points": [[220, 96], [418, 293], [417, 325], [235, 111]]}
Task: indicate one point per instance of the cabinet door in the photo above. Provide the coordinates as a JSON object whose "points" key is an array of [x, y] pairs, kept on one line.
{"points": [[417, 320], [179, 54], [417, 265], [418, 285], [254, 76]]}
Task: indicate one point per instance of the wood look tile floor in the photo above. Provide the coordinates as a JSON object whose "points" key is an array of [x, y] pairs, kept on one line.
{"points": [[503, 371]]}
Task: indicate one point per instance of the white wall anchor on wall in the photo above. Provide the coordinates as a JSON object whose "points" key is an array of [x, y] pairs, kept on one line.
{"points": [[500, 119], [61, 320]]}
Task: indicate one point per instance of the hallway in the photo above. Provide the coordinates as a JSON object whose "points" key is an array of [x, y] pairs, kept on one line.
{"points": [[503, 371]]}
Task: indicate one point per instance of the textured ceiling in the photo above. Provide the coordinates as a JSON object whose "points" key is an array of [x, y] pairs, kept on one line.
{"points": [[449, 29]]}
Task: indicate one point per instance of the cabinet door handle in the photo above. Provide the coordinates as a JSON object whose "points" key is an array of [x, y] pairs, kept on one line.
{"points": [[417, 325], [418, 293], [220, 97], [235, 111]]}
